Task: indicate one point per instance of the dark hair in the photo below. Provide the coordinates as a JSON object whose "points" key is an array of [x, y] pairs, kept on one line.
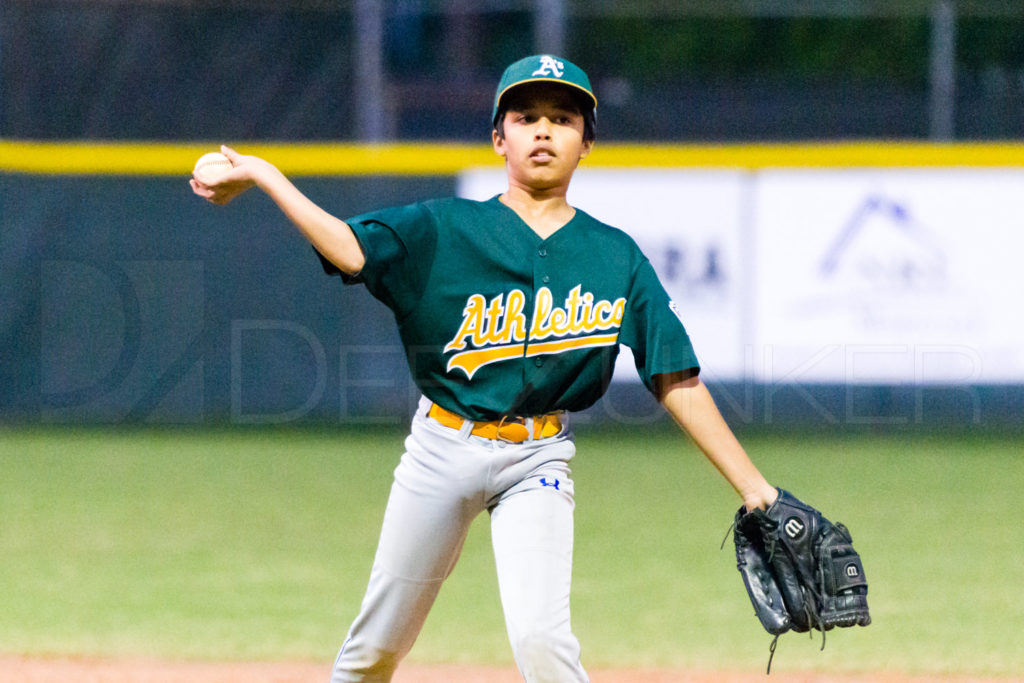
{"points": [[517, 97]]}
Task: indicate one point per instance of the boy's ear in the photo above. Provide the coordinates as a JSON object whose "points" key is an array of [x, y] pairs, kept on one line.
{"points": [[498, 142], [588, 146]]}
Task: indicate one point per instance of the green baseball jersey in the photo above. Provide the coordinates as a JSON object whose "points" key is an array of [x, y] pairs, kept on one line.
{"points": [[497, 321]]}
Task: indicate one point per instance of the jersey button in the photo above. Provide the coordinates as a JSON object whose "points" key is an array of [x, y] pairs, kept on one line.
{"points": [[546, 279], [538, 362], [542, 253]]}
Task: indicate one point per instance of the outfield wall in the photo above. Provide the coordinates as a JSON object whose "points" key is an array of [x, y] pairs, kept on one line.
{"points": [[833, 284]]}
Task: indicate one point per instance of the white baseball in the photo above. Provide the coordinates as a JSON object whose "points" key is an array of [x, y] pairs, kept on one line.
{"points": [[210, 167]]}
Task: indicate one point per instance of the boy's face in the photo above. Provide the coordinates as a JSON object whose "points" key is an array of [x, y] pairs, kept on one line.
{"points": [[543, 137]]}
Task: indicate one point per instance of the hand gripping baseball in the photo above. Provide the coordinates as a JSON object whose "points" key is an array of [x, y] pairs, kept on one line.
{"points": [[800, 570], [226, 184]]}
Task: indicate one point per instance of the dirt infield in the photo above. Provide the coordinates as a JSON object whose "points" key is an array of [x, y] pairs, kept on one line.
{"points": [[15, 669]]}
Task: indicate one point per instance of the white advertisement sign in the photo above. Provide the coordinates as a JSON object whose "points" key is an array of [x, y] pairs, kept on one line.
{"points": [[889, 276], [688, 223]]}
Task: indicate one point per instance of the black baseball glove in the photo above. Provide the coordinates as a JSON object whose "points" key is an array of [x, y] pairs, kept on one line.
{"points": [[800, 570]]}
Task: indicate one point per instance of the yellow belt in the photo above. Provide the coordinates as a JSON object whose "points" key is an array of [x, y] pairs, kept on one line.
{"points": [[511, 429]]}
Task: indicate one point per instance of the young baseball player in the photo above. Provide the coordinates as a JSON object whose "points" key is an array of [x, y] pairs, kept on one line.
{"points": [[511, 311]]}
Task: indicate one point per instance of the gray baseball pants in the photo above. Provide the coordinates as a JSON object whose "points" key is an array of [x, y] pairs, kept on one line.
{"points": [[445, 479]]}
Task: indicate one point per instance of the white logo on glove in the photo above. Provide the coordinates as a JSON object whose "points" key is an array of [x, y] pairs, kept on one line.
{"points": [[794, 528]]}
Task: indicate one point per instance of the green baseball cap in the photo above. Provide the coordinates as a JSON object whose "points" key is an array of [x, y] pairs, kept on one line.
{"points": [[542, 68]]}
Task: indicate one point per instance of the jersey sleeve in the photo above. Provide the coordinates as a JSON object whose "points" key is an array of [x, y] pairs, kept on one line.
{"points": [[652, 329], [399, 245]]}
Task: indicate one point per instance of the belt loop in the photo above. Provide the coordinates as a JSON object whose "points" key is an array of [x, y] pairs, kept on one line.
{"points": [[423, 406], [529, 424]]}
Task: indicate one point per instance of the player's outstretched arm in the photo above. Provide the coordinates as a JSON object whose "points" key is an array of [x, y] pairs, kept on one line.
{"points": [[690, 404], [331, 236]]}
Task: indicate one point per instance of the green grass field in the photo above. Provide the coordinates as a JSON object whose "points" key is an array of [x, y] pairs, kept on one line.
{"points": [[257, 545]]}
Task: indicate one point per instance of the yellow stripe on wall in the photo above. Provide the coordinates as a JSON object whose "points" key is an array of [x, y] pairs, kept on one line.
{"points": [[331, 159], [135, 158]]}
